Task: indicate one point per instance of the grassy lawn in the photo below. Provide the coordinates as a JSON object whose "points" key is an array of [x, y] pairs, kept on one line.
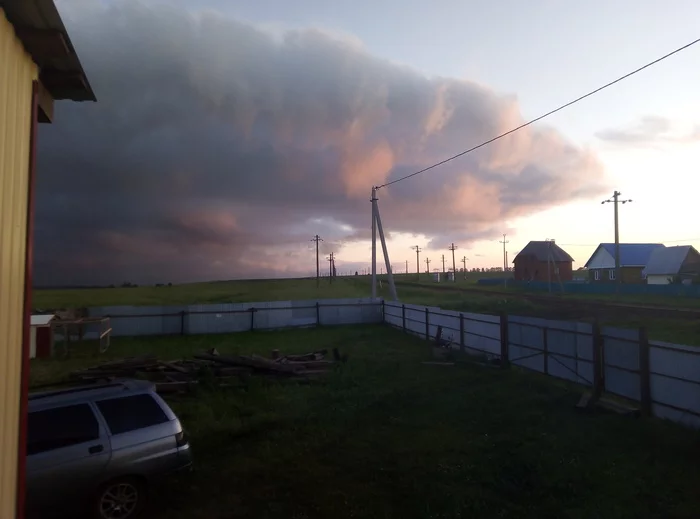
{"points": [[389, 437]]}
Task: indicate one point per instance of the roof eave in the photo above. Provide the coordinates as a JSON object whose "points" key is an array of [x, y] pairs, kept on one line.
{"points": [[39, 27]]}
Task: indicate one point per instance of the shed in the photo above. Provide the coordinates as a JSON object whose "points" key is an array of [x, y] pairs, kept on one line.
{"points": [[41, 336], [633, 259], [38, 64], [543, 261], [667, 264]]}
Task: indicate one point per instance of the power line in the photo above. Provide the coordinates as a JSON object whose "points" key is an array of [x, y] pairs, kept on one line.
{"points": [[532, 121]]}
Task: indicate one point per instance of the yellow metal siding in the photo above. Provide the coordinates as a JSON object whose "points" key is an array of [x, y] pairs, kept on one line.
{"points": [[17, 71]]}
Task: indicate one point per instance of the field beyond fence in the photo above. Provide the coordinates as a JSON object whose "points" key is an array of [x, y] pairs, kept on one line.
{"points": [[662, 378], [583, 287]]}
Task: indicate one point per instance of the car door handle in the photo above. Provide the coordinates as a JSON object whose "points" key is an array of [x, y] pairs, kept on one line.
{"points": [[95, 449]]}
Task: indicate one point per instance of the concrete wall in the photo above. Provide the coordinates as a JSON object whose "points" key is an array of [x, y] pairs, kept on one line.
{"points": [[235, 317], [565, 350]]}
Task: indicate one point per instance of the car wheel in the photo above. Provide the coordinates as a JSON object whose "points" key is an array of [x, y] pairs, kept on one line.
{"points": [[121, 498]]}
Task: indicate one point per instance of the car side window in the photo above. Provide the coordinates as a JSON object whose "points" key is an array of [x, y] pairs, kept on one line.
{"points": [[61, 427], [131, 413]]}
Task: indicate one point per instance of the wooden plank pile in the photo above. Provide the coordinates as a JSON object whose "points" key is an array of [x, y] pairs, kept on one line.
{"points": [[224, 370]]}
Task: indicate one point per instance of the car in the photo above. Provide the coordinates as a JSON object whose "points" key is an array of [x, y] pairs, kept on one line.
{"points": [[96, 448]]}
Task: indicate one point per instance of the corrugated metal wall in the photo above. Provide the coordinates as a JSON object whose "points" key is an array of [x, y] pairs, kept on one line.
{"points": [[17, 71], [236, 317]]}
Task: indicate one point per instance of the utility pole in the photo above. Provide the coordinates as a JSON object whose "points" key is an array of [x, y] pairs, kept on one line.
{"points": [[505, 257], [464, 262], [317, 239], [417, 249], [443, 263], [427, 262], [549, 266], [453, 248], [330, 267], [615, 200], [378, 229], [406, 266]]}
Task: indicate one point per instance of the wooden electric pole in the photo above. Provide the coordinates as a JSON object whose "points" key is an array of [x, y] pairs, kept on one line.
{"points": [[443, 263], [317, 239], [427, 262], [464, 262], [330, 259]]}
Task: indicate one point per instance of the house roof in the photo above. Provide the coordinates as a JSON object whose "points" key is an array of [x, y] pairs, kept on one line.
{"points": [[667, 260], [542, 249], [40, 29], [41, 320], [631, 254]]}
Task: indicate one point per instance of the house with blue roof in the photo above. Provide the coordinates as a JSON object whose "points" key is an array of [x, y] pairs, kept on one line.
{"points": [[680, 263], [633, 260]]}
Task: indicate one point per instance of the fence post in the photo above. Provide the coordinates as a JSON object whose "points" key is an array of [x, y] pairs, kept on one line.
{"points": [[182, 322], [505, 343], [252, 318], [427, 324], [318, 314], [461, 332], [403, 317], [545, 348], [644, 372], [598, 362]]}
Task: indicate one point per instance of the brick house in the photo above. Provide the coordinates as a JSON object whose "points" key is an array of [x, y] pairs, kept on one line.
{"points": [[543, 261]]}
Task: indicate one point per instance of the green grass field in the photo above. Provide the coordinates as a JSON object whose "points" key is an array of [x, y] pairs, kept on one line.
{"points": [[464, 298], [214, 292], [389, 437]]}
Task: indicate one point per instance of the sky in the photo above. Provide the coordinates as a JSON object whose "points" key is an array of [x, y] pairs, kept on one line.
{"points": [[227, 133]]}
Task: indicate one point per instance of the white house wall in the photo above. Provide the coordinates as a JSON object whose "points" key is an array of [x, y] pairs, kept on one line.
{"points": [[659, 279], [602, 259]]}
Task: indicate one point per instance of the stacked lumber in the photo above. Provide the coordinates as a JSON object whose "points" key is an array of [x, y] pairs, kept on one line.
{"points": [[226, 370]]}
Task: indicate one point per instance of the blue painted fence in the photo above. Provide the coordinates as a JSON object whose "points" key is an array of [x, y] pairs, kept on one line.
{"points": [[582, 287]]}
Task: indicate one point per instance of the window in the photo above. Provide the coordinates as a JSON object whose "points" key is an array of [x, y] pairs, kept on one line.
{"points": [[611, 274], [131, 413], [596, 275], [61, 427]]}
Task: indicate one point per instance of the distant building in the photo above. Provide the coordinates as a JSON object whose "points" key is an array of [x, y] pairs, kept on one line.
{"points": [[41, 336], [673, 264], [633, 259], [543, 261]]}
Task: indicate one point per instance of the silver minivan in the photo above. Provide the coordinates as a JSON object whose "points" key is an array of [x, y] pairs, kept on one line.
{"points": [[96, 448]]}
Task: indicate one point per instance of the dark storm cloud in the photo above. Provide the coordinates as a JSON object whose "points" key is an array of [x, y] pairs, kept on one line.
{"points": [[214, 143]]}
